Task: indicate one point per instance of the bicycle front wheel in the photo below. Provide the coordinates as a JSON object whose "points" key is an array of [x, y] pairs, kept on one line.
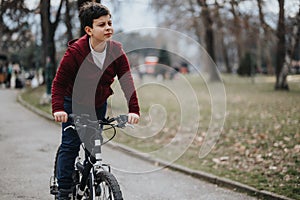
{"points": [[105, 187]]}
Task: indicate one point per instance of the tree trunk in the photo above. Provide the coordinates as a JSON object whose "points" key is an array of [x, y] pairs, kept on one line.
{"points": [[68, 21], [195, 19], [281, 65], [208, 23], [209, 38], [237, 30], [45, 24], [48, 32], [265, 44], [222, 39]]}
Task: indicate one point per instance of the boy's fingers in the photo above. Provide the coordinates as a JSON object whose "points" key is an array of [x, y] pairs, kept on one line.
{"points": [[133, 118], [61, 116]]}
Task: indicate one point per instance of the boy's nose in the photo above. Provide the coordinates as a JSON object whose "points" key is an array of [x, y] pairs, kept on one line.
{"points": [[108, 27]]}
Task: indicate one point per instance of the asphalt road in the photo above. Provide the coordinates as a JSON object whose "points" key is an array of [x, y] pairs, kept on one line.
{"points": [[27, 148]]}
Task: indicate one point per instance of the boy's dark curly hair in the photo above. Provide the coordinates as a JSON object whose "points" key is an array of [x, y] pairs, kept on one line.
{"points": [[90, 11]]}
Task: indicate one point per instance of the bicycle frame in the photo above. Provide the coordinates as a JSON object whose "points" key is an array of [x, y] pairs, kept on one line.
{"points": [[91, 162], [92, 165]]}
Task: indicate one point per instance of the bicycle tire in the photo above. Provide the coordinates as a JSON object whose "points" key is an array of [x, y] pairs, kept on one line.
{"points": [[105, 187]]}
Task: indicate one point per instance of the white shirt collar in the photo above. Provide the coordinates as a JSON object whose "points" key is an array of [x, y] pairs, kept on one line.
{"points": [[98, 57]]}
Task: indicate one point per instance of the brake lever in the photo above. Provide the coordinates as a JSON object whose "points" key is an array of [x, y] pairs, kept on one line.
{"points": [[129, 125], [124, 125]]}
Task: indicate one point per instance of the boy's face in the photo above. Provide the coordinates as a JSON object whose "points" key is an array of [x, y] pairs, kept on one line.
{"points": [[102, 29]]}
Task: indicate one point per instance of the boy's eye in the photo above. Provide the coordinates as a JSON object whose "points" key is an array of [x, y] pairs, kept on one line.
{"points": [[103, 24]]}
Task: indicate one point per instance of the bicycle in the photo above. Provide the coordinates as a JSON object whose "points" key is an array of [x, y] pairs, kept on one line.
{"points": [[92, 179]]}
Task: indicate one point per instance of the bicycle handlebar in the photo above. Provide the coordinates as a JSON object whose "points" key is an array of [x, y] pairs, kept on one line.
{"points": [[83, 120]]}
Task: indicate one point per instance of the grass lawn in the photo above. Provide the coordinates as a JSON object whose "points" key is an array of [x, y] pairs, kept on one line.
{"points": [[259, 144]]}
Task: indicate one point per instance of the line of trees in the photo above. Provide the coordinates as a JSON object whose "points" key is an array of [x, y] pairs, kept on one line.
{"points": [[234, 36]]}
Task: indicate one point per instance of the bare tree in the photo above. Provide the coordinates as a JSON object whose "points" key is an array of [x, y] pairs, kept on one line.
{"points": [[48, 32], [208, 24], [281, 66], [267, 38], [195, 21], [237, 30], [296, 38], [209, 36], [68, 21], [221, 31], [196, 16], [14, 26]]}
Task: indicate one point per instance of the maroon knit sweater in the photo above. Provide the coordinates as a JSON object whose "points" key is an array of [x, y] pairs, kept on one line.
{"points": [[79, 78]]}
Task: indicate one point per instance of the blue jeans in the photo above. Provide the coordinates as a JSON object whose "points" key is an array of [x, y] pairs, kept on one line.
{"points": [[69, 148]]}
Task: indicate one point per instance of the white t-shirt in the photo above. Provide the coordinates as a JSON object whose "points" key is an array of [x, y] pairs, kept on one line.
{"points": [[98, 57]]}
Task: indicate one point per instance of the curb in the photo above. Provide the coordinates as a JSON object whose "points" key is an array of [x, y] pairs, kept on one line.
{"points": [[221, 182]]}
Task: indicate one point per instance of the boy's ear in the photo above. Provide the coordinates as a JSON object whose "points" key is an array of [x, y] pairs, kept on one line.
{"points": [[88, 30]]}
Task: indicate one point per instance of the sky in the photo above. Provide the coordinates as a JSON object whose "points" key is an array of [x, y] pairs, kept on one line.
{"points": [[132, 14]]}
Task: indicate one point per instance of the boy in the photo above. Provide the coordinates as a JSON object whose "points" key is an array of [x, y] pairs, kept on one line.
{"points": [[83, 80]]}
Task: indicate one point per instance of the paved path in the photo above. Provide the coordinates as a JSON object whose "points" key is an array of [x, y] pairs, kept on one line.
{"points": [[27, 147]]}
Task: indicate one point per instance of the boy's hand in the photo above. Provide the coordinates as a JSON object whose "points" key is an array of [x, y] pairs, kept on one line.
{"points": [[60, 116], [133, 118]]}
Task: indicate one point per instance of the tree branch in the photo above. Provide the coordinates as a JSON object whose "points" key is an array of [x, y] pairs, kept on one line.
{"points": [[55, 24]]}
